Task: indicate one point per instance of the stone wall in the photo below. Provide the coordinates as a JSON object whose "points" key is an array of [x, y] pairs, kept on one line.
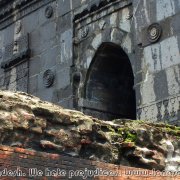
{"points": [[157, 64], [50, 45], [47, 48]]}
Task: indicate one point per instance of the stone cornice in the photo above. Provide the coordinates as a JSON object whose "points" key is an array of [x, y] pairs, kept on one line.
{"points": [[92, 7], [2, 2], [7, 7], [18, 9], [100, 6]]}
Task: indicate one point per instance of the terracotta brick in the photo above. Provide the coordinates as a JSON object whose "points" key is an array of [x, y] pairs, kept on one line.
{"points": [[6, 148], [54, 156], [12, 158], [24, 151], [4, 156]]}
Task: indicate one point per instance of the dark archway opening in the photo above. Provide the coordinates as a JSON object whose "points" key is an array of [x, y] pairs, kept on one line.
{"points": [[109, 92]]}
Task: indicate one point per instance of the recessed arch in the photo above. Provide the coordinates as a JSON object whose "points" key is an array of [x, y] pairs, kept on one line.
{"points": [[108, 88]]}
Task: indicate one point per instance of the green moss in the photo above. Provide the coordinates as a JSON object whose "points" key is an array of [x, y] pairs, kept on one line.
{"points": [[111, 129], [128, 135], [121, 131], [131, 137], [175, 131], [140, 121], [177, 128], [170, 126], [115, 135]]}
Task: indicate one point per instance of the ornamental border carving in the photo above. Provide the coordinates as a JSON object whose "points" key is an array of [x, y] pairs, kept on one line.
{"points": [[164, 110], [97, 11]]}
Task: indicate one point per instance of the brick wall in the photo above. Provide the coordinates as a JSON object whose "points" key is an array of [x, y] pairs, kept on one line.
{"points": [[26, 164]]}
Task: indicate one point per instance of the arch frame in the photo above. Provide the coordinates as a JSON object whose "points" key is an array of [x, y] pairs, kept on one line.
{"points": [[104, 80], [107, 30]]}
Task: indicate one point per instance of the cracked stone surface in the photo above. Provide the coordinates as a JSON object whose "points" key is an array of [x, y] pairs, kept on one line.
{"points": [[28, 122]]}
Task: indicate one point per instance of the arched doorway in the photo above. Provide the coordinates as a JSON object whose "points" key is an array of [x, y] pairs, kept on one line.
{"points": [[109, 85]]}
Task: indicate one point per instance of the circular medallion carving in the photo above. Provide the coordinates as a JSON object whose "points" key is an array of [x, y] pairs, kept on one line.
{"points": [[48, 78], [18, 27], [49, 11], [154, 32]]}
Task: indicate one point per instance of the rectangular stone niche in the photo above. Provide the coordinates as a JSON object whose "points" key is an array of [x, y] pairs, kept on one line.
{"points": [[16, 52], [15, 64]]}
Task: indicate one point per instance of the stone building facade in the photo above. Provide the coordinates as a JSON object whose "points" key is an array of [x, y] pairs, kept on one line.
{"points": [[107, 58]]}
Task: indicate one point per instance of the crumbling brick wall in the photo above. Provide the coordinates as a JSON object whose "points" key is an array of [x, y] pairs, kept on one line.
{"points": [[30, 164]]}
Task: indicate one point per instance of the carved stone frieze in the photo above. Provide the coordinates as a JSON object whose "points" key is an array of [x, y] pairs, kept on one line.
{"points": [[165, 110], [107, 7], [18, 27]]}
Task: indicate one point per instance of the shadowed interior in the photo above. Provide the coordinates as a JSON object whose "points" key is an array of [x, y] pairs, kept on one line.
{"points": [[109, 85]]}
